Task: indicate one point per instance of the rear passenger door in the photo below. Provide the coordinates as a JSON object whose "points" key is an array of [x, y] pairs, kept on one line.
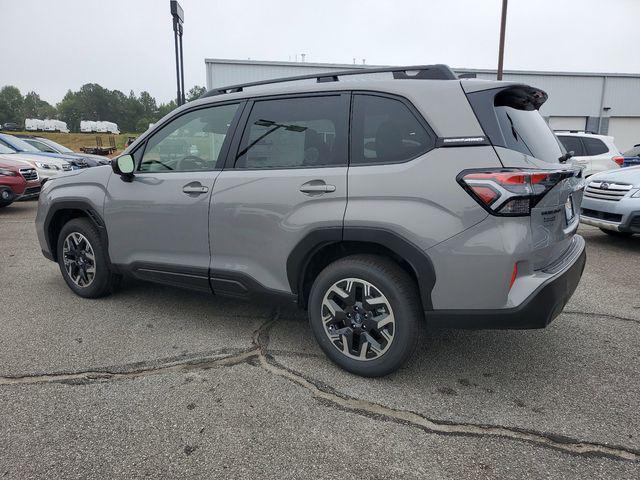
{"points": [[286, 176]]}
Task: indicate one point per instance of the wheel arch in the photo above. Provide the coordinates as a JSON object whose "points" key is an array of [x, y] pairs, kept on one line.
{"points": [[61, 213], [323, 246]]}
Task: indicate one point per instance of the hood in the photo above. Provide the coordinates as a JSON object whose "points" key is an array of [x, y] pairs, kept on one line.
{"points": [[30, 158], [8, 161], [630, 175], [56, 156]]}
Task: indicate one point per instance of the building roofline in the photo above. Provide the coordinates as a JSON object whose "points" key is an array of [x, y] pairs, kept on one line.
{"points": [[290, 64], [455, 69]]}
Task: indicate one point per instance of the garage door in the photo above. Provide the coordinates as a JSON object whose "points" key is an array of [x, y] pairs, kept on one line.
{"points": [[567, 123], [626, 131]]}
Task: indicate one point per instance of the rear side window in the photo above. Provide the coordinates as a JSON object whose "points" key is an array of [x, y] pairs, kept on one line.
{"points": [[295, 132], [384, 130], [572, 144], [594, 146]]}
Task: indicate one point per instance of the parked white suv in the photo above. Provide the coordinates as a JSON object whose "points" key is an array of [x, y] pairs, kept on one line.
{"points": [[594, 153]]}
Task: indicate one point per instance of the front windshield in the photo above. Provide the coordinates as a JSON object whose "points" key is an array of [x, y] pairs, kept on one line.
{"points": [[57, 146], [5, 149], [19, 144]]}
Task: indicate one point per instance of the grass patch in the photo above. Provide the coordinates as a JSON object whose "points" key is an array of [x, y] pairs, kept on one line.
{"points": [[76, 140]]}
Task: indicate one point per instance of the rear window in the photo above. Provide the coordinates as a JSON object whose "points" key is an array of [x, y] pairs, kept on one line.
{"points": [[526, 131], [572, 144], [594, 146]]}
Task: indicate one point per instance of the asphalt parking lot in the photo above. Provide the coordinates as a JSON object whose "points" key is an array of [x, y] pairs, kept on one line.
{"points": [[159, 382]]}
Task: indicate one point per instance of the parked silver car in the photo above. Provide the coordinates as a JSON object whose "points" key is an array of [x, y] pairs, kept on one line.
{"points": [[612, 202], [374, 204]]}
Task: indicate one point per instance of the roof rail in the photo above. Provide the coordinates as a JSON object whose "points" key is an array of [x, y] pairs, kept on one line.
{"points": [[419, 72], [564, 130]]}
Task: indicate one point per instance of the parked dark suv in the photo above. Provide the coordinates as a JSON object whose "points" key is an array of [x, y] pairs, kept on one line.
{"points": [[374, 204]]}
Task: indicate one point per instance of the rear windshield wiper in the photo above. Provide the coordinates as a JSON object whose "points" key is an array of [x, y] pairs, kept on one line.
{"points": [[565, 157]]}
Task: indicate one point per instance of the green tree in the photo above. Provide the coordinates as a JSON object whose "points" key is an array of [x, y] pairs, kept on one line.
{"points": [[34, 107], [195, 93], [71, 110], [11, 105]]}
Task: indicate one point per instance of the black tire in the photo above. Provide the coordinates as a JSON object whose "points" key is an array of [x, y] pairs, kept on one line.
{"points": [[6, 196], [104, 281], [401, 292], [615, 233]]}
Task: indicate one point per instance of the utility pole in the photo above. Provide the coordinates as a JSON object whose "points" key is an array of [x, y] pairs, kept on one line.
{"points": [[503, 26], [178, 18]]}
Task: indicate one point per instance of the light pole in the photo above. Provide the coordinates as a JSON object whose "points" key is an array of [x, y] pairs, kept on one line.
{"points": [[503, 26], [178, 18]]}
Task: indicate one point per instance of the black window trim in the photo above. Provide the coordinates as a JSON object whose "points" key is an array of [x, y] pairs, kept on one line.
{"points": [[234, 147], [412, 109], [138, 152]]}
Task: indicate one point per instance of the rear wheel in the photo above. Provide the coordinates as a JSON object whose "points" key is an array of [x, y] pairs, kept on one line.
{"points": [[365, 314], [616, 233], [82, 258]]}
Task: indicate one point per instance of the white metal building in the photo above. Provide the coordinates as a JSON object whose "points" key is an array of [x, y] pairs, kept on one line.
{"points": [[607, 103]]}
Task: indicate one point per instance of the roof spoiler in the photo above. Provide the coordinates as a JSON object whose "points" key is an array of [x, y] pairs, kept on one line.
{"points": [[520, 97]]}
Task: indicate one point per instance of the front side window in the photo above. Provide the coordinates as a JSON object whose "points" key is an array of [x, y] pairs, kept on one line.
{"points": [[191, 142], [384, 130], [594, 146], [295, 132]]}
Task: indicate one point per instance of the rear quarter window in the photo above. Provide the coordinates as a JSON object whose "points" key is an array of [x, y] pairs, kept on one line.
{"points": [[594, 146]]}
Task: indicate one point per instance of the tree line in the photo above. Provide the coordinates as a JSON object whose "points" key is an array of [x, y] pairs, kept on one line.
{"points": [[92, 102]]}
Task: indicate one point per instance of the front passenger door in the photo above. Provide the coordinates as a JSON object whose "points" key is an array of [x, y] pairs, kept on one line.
{"points": [[158, 222]]}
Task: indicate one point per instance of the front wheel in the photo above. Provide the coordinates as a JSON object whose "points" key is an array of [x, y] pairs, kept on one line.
{"points": [[82, 258], [365, 313]]}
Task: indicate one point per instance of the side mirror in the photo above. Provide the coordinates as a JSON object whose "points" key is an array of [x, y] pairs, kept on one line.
{"points": [[123, 166]]}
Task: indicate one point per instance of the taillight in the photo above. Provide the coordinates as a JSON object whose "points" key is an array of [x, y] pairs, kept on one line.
{"points": [[510, 193], [618, 160]]}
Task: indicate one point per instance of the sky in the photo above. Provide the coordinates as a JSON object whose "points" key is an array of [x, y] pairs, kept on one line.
{"points": [[53, 46]]}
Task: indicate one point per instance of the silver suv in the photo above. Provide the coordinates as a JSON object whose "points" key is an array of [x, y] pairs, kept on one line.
{"points": [[375, 204]]}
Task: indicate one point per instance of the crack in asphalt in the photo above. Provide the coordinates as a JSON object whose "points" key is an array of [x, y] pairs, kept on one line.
{"points": [[604, 315], [258, 355]]}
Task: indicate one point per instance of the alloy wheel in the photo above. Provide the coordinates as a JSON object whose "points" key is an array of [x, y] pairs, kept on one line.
{"points": [[79, 259], [358, 319]]}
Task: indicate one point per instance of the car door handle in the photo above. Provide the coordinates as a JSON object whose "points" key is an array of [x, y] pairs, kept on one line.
{"points": [[195, 188], [317, 186]]}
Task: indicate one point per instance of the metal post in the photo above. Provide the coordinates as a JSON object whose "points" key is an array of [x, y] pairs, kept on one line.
{"points": [[503, 26], [175, 37], [181, 66], [178, 18]]}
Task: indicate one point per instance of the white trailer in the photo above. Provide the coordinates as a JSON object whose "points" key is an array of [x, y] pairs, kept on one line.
{"points": [[61, 126], [33, 124], [111, 127], [49, 125], [88, 126]]}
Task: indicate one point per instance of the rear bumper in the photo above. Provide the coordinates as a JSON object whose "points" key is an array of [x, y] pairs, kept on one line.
{"points": [[537, 311]]}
